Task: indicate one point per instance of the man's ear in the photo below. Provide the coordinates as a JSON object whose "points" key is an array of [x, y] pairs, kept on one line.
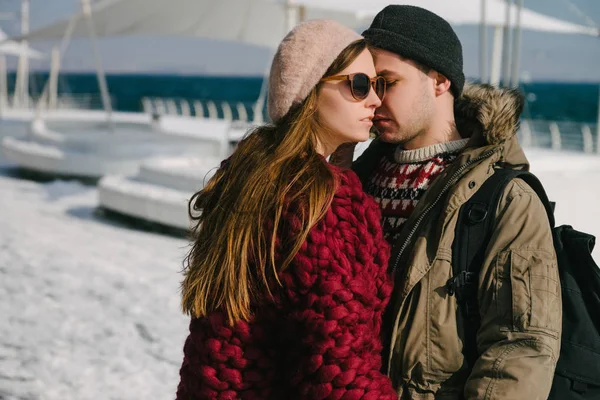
{"points": [[441, 84]]}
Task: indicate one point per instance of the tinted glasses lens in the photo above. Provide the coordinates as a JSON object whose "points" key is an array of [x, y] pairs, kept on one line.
{"points": [[361, 85], [380, 87]]}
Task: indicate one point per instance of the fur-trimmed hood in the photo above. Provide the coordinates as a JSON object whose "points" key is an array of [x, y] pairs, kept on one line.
{"points": [[488, 113], [489, 116]]}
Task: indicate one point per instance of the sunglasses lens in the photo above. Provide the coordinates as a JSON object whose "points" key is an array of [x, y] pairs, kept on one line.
{"points": [[361, 85], [380, 87]]}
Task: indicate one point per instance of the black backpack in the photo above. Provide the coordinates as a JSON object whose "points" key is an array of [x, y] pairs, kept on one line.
{"points": [[577, 373]]}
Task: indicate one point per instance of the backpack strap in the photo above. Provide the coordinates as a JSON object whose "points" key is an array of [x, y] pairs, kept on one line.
{"points": [[475, 226]]}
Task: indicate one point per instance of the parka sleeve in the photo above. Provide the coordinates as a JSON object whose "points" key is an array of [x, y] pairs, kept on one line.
{"points": [[520, 303]]}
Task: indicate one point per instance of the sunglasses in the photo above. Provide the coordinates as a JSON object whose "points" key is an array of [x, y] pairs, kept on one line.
{"points": [[361, 84]]}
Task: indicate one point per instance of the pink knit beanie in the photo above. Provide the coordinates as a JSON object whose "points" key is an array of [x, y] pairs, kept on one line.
{"points": [[302, 59]]}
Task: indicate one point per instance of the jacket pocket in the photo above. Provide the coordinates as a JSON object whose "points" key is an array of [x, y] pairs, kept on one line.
{"points": [[535, 292]]}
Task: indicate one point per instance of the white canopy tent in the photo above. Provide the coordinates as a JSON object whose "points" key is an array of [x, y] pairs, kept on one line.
{"points": [[257, 22], [264, 22], [461, 12]]}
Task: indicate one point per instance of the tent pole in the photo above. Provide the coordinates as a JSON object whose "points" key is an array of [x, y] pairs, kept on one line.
{"points": [[506, 44], [516, 48], [483, 44], [87, 11]]}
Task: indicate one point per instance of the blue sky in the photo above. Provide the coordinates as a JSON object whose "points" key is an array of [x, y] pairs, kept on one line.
{"points": [[544, 56]]}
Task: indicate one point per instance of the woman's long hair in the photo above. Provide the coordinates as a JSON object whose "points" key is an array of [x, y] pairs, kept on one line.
{"points": [[233, 259]]}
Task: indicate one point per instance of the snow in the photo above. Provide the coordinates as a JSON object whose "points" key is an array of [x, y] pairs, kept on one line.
{"points": [[81, 115], [90, 308], [572, 180]]}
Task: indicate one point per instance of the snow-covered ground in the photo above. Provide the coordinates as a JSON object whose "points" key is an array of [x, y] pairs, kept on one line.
{"points": [[572, 180], [90, 309]]}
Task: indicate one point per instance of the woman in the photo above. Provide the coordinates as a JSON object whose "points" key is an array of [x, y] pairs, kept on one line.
{"points": [[286, 281]]}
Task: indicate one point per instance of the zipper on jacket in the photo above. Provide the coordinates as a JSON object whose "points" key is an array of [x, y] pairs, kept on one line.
{"points": [[450, 182]]}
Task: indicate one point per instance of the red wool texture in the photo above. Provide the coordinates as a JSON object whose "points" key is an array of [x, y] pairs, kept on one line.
{"points": [[319, 338]]}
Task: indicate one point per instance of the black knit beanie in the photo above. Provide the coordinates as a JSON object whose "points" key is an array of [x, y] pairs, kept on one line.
{"points": [[422, 36]]}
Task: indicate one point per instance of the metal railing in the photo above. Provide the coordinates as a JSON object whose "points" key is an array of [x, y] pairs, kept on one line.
{"points": [[560, 135], [232, 111]]}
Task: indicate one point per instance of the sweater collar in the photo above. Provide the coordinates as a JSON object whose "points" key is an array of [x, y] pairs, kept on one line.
{"points": [[426, 153]]}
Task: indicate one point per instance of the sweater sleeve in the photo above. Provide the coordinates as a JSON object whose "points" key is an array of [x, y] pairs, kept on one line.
{"points": [[337, 288], [221, 361]]}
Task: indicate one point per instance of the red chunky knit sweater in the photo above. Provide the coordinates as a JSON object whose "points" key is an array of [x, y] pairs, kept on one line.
{"points": [[319, 338]]}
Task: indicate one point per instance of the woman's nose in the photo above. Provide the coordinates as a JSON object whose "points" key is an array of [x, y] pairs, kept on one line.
{"points": [[373, 100]]}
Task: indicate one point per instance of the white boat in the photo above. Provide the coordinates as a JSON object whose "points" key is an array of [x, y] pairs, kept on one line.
{"points": [[81, 144], [160, 192]]}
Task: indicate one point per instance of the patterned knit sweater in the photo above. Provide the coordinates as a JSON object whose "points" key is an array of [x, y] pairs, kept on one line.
{"points": [[319, 338], [399, 183]]}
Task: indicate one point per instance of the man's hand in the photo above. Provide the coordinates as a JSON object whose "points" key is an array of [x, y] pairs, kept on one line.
{"points": [[343, 155]]}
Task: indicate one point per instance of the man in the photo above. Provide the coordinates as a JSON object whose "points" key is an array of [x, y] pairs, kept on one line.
{"points": [[436, 147]]}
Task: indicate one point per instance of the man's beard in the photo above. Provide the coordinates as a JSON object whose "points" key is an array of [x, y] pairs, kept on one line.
{"points": [[398, 137]]}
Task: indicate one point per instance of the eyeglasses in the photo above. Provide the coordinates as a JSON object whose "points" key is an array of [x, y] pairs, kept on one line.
{"points": [[361, 84]]}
